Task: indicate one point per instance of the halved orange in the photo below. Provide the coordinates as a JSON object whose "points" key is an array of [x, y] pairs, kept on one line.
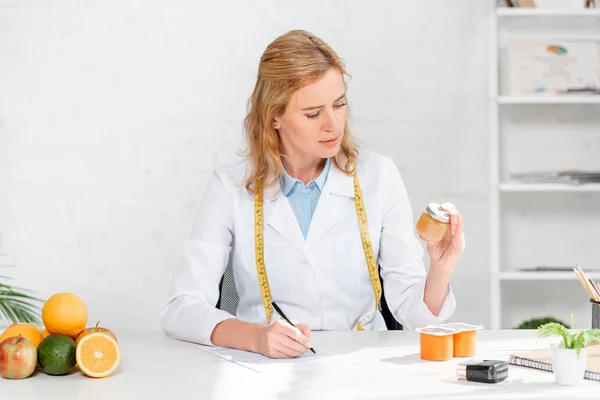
{"points": [[98, 355]]}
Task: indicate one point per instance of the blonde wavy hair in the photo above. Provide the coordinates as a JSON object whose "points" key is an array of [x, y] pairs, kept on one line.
{"points": [[290, 62]]}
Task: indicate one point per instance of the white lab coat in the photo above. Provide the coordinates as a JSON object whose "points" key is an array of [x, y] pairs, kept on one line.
{"points": [[323, 281]]}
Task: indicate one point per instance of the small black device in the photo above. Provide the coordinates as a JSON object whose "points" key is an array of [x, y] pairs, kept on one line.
{"points": [[486, 371]]}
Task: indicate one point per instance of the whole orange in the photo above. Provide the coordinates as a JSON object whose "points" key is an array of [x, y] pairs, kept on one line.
{"points": [[65, 313], [28, 331]]}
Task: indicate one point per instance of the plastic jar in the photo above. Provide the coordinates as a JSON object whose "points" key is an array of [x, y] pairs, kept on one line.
{"points": [[465, 339], [433, 223], [436, 344], [465, 343]]}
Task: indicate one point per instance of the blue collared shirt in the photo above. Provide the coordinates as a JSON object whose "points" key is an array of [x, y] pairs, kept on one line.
{"points": [[303, 198]]}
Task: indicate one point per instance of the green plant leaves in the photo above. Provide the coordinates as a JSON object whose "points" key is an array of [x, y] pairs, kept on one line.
{"points": [[555, 329], [571, 340], [18, 305]]}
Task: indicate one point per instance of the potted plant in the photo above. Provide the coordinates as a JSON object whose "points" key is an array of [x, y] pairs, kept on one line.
{"points": [[536, 322], [569, 356]]}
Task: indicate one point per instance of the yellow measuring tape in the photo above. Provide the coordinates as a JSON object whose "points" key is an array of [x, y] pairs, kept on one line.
{"points": [[259, 245], [259, 249]]}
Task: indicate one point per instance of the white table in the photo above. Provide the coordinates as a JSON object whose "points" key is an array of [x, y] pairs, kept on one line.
{"points": [[156, 367]]}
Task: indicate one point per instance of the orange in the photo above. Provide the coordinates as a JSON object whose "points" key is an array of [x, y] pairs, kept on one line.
{"points": [[65, 314], [46, 333], [26, 330], [98, 355]]}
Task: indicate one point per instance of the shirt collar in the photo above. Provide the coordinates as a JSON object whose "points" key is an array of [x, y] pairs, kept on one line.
{"points": [[289, 182]]}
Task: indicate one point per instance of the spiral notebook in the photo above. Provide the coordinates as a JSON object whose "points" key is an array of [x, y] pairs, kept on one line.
{"points": [[542, 360]]}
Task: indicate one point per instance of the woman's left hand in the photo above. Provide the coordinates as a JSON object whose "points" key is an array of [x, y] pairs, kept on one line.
{"points": [[445, 254]]}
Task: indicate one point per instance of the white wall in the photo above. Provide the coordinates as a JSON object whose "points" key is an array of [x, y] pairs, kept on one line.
{"points": [[113, 114]]}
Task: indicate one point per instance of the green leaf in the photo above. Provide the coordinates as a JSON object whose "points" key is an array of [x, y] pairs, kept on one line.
{"points": [[555, 329], [13, 295], [16, 305], [535, 323], [8, 313], [593, 336], [580, 341]]}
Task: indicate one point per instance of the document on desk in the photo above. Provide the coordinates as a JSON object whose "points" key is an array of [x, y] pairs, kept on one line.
{"points": [[260, 363]]}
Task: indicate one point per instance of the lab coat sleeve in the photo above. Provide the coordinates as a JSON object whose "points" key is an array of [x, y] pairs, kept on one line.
{"points": [[401, 258], [190, 313]]}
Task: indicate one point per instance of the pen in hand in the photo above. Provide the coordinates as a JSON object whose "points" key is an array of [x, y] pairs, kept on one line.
{"points": [[276, 307]]}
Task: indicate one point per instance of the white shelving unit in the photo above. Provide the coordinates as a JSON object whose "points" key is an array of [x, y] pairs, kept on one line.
{"points": [[536, 12], [500, 104], [547, 187], [543, 99], [542, 276]]}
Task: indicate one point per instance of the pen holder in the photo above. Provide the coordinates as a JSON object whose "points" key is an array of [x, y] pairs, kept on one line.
{"points": [[595, 314]]}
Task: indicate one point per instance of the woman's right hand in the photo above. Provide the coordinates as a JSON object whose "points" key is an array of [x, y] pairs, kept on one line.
{"points": [[282, 340]]}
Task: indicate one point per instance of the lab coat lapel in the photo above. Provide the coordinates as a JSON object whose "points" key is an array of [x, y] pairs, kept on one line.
{"points": [[283, 220], [333, 204]]}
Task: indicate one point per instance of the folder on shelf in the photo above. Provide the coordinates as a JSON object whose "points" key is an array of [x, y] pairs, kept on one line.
{"points": [[526, 3], [547, 268], [566, 176]]}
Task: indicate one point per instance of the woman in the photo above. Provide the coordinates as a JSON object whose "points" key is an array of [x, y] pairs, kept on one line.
{"points": [[310, 219]]}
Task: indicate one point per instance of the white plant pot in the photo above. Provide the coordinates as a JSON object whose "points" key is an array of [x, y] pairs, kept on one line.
{"points": [[560, 4], [568, 367]]}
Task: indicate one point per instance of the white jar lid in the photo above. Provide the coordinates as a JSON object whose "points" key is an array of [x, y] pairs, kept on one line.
{"points": [[436, 211]]}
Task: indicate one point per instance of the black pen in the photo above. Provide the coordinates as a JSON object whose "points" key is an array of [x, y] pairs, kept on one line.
{"points": [[276, 307]]}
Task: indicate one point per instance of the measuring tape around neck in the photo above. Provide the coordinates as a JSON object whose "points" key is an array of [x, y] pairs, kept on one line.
{"points": [[259, 245]]}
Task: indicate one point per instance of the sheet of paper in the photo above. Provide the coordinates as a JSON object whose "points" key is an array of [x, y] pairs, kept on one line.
{"points": [[260, 363]]}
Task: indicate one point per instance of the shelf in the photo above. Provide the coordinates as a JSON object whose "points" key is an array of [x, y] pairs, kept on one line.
{"points": [[543, 276], [539, 12], [546, 99], [548, 187], [507, 24]]}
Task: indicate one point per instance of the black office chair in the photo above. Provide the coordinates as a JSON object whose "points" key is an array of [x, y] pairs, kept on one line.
{"points": [[388, 317], [228, 295], [229, 298]]}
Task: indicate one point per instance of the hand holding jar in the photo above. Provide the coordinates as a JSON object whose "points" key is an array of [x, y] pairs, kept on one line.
{"points": [[440, 226]]}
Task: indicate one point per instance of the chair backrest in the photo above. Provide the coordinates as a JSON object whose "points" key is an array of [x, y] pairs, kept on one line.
{"points": [[229, 298], [228, 295], [388, 317]]}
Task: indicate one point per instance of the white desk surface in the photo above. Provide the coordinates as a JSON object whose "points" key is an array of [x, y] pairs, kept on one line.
{"points": [[156, 367]]}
